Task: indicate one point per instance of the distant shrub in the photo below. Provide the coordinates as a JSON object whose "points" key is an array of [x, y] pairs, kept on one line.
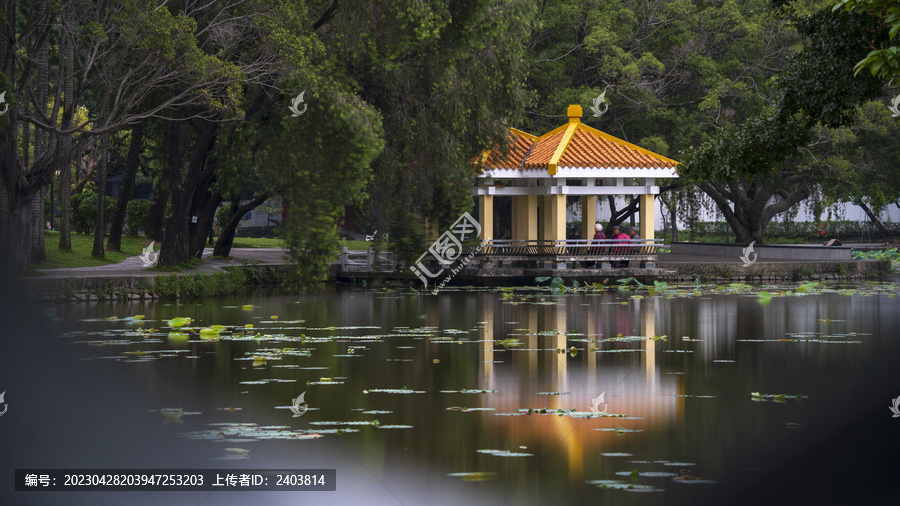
{"points": [[138, 213], [222, 215], [84, 210]]}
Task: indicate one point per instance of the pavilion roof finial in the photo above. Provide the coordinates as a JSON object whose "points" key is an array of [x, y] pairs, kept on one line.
{"points": [[574, 112]]}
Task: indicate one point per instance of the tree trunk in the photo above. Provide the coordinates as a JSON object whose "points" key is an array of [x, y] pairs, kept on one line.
{"points": [[157, 215], [206, 201], [674, 219], [880, 226], [15, 235], [616, 217], [36, 205], [114, 243], [4, 205], [15, 228], [205, 218], [745, 205], [226, 237], [65, 180], [38, 252], [99, 220], [177, 239], [176, 247]]}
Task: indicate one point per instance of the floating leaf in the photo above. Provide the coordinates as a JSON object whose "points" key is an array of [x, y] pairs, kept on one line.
{"points": [[618, 485], [505, 453], [478, 476], [179, 322], [403, 390]]}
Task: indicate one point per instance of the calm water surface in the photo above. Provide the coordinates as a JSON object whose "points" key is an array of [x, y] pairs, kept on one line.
{"points": [[688, 395]]}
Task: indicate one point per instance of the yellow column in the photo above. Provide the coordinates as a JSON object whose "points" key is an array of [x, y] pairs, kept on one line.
{"points": [[559, 381], [647, 215], [554, 217], [525, 217], [486, 333], [648, 330], [588, 216], [590, 357], [531, 323], [486, 216]]}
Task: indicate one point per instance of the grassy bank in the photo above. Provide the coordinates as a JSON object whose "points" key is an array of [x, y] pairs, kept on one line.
{"points": [[235, 280], [258, 242], [80, 254], [268, 242]]}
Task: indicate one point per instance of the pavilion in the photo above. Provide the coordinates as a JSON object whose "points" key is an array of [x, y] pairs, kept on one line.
{"points": [[573, 159]]}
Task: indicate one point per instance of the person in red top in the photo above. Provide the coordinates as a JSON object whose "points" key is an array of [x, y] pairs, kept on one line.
{"points": [[623, 239], [598, 234]]}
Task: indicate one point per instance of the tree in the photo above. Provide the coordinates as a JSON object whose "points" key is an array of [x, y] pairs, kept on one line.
{"points": [[127, 61], [861, 161], [327, 158], [673, 73], [21, 176], [752, 171], [114, 242], [442, 75]]}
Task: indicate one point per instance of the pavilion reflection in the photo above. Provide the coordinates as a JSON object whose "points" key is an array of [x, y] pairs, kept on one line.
{"points": [[627, 372]]}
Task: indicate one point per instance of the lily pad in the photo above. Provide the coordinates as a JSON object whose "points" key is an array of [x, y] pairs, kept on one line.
{"points": [[476, 476], [179, 322], [505, 453]]}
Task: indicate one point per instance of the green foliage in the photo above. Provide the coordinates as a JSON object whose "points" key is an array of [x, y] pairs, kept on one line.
{"points": [[84, 211], [222, 215], [329, 160], [137, 211], [752, 170], [235, 280], [817, 88], [442, 76], [888, 254], [861, 158], [171, 37], [883, 61], [669, 84]]}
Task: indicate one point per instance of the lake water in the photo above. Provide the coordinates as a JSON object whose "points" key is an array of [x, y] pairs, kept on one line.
{"points": [[685, 395]]}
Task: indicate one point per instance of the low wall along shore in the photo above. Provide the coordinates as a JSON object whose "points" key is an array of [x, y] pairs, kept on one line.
{"points": [[765, 252], [238, 279]]}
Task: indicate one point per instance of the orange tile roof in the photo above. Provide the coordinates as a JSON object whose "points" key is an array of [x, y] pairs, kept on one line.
{"points": [[543, 151], [587, 147], [519, 147]]}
